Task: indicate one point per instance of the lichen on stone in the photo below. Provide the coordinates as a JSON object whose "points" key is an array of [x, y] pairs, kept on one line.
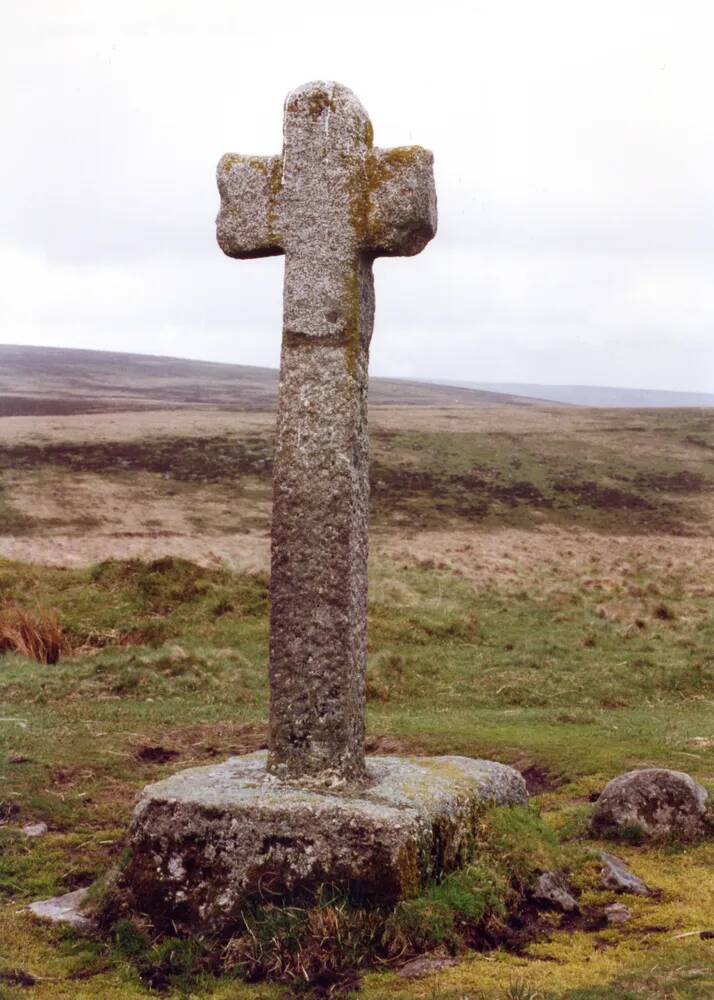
{"points": [[353, 325], [275, 184], [369, 134]]}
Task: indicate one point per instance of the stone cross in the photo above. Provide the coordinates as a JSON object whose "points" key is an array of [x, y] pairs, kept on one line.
{"points": [[331, 203]]}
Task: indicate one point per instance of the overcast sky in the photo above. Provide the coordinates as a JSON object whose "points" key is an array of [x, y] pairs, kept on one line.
{"points": [[574, 146]]}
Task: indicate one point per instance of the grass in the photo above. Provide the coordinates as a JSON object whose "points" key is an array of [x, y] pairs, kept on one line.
{"points": [[168, 668], [326, 941], [644, 474], [13, 521], [544, 598]]}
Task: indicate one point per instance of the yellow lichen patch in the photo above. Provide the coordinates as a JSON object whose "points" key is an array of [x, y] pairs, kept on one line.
{"points": [[357, 190], [369, 173], [400, 157], [385, 163], [257, 163], [353, 325], [421, 783], [443, 768], [228, 162], [409, 872], [380, 167], [319, 102]]}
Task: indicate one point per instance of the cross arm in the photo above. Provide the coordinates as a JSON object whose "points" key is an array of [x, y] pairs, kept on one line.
{"points": [[247, 224], [401, 209]]}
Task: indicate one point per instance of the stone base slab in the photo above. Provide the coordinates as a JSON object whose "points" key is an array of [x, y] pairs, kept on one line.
{"points": [[207, 840]]}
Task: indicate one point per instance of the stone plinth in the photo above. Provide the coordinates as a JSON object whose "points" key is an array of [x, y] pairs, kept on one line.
{"points": [[207, 840]]}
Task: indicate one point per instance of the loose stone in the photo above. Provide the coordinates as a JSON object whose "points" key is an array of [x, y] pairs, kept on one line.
{"points": [[553, 888], [618, 914], [32, 830], [652, 804], [617, 876], [65, 910], [427, 965]]}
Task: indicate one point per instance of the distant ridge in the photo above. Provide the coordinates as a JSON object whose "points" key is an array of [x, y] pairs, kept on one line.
{"points": [[592, 395], [55, 380]]}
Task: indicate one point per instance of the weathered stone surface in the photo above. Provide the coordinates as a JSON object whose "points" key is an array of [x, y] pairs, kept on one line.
{"points": [[426, 965], [615, 875], [332, 204], [401, 201], [64, 910], [209, 838], [654, 802], [553, 888], [248, 187]]}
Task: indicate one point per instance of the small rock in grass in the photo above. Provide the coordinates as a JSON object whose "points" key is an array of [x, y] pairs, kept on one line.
{"points": [[553, 888], [426, 965], [618, 913], [35, 829], [617, 876], [64, 910], [651, 804], [177, 654]]}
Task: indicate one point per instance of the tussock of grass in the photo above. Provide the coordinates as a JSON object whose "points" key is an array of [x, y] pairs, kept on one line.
{"points": [[467, 906], [38, 637]]}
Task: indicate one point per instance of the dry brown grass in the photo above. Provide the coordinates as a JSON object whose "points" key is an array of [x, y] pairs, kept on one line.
{"points": [[318, 950], [37, 637], [551, 559]]}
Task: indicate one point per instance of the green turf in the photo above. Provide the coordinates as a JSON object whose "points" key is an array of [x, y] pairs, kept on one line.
{"points": [[170, 670]]}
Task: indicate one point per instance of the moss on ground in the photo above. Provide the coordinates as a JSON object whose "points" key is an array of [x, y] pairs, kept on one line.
{"points": [[643, 959]]}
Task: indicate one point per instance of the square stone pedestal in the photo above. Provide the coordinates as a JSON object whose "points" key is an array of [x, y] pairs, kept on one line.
{"points": [[206, 840]]}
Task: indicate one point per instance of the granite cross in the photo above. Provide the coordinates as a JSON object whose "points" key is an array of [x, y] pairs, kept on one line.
{"points": [[331, 203]]}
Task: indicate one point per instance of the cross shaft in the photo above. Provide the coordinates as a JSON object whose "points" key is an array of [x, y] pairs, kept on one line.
{"points": [[332, 204]]}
